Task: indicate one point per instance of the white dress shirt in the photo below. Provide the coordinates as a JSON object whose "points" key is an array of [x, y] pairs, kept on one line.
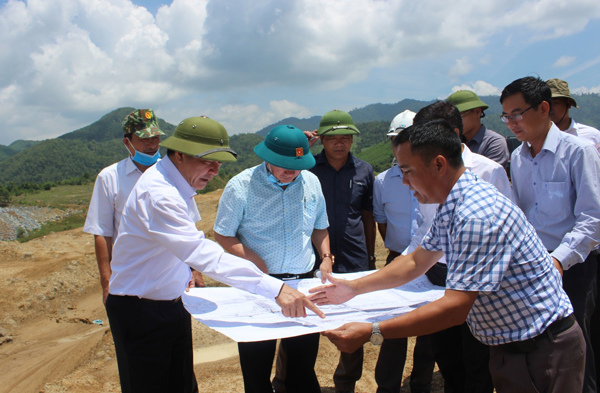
{"points": [[558, 191], [587, 133], [158, 243], [111, 190]]}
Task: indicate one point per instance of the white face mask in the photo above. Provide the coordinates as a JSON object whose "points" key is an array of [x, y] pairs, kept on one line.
{"points": [[143, 158]]}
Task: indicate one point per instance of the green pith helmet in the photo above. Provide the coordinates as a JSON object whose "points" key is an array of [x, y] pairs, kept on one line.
{"points": [[286, 147], [337, 122], [141, 122], [201, 137], [466, 100], [560, 89]]}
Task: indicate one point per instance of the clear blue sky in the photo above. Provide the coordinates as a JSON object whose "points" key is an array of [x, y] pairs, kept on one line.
{"points": [[65, 63]]}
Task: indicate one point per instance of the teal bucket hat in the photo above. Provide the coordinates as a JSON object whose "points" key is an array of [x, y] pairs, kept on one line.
{"points": [[201, 137], [286, 147]]}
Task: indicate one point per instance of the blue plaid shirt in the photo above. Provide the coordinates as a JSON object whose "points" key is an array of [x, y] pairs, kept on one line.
{"points": [[491, 248]]}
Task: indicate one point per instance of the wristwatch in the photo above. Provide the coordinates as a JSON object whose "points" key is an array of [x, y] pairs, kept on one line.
{"points": [[330, 256], [376, 336]]}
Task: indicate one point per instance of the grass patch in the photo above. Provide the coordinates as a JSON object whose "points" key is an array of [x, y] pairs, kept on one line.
{"points": [[67, 223], [60, 197]]}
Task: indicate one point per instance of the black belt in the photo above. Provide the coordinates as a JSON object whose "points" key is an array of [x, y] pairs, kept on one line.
{"points": [[529, 345], [288, 276], [135, 299]]}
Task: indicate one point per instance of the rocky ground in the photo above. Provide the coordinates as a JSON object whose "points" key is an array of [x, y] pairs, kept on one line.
{"points": [[24, 219], [54, 335]]}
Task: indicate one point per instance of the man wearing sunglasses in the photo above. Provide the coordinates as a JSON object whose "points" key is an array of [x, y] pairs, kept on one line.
{"points": [[555, 179]]}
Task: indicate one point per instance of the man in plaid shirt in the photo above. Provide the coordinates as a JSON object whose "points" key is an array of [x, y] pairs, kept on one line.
{"points": [[501, 279]]}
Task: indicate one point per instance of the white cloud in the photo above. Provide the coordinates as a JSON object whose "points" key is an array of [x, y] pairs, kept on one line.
{"points": [[480, 88], [586, 90], [564, 61], [73, 60], [461, 66]]}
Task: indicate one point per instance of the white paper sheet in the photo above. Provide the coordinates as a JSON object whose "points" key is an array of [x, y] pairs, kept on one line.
{"points": [[243, 316]]}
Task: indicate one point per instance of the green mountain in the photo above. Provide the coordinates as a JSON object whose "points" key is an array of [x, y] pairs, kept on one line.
{"points": [[86, 151]]}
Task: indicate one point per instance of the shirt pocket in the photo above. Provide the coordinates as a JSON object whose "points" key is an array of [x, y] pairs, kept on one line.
{"points": [[555, 202]]}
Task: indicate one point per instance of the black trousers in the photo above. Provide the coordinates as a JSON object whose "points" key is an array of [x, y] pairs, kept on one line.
{"points": [[256, 360], [153, 341], [579, 282]]}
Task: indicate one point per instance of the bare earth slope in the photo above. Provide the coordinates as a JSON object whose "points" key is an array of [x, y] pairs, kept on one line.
{"points": [[51, 339]]}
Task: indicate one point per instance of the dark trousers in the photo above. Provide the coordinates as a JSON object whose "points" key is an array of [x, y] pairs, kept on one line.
{"points": [[580, 284], [555, 365], [153, 342], [256, 360], [595, 325], [462, 360]]}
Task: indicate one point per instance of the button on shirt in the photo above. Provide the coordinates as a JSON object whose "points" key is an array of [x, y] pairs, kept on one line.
{"points": [[276, 224], [347, 192], [111, 190], [490, 144], [558, 191], [395, 206], [159, 242], [491, 248]]}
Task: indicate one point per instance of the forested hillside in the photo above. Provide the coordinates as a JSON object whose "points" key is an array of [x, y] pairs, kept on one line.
{"points": [[86, 151]]}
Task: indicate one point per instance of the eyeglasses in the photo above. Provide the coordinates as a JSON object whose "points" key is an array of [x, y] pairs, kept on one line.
{"points": [[463, 114], [515, 117]]}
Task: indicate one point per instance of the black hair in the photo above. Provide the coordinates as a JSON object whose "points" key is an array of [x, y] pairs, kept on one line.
{"points": [[170, 153], [433, 138], [534, 90], [441, 110]]}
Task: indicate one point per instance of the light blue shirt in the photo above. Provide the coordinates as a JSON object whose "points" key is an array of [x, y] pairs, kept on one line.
{"points": [[559, 193], [276, 224], [491, 248], [395, 206]]}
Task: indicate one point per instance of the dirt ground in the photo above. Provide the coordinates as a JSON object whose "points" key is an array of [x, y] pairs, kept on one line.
{"points": [[54, 334]]}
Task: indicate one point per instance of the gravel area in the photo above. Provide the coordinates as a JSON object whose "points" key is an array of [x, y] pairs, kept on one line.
{"points": [[28, 218]]}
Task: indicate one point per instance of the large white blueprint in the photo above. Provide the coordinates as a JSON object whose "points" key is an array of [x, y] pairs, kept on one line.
{"points": [[243, 316]]}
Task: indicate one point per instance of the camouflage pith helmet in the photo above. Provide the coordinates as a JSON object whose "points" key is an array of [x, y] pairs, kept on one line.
{"points": [[141, 122], [337, 122], [466, 100], [201, 137], [560, 89]]}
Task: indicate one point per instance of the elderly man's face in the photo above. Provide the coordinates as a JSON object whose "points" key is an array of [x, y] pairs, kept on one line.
{"points": [[283, 175], [196, 171]]}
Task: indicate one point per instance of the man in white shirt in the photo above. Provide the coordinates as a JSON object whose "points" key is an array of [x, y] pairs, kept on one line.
{"points": [[562, 102], [556, 183], [158, 243], [141, 136]]}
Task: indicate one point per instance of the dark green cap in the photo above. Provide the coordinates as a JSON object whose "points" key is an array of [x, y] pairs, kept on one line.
{"points": [[465, 100], [560, 89], [337, 122], [286, 147], [201, 137]]}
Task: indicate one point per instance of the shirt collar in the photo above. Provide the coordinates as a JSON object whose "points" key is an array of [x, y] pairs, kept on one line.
{"points": [[446, 209], [321, 159], [167, 167], [130, 166], [550, 143], [479, 135], [467, 157]]}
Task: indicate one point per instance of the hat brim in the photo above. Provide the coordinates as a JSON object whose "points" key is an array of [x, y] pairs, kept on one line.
{"points": [[467, 106], [195, 149], [337, 130], [306, 161], [571, 99]]}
